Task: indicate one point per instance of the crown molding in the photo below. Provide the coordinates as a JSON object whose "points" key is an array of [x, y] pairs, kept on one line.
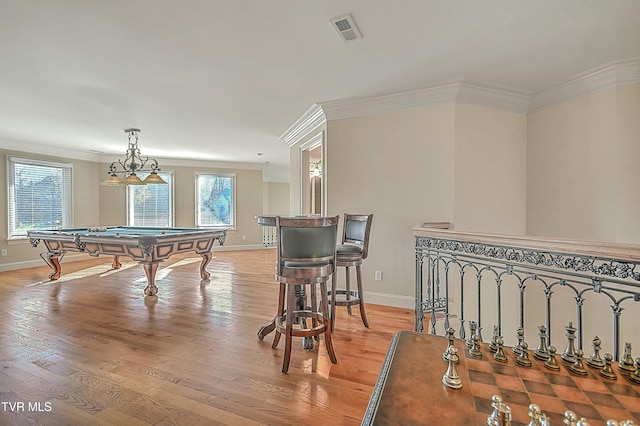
{"points": [[451, 92], [610, 75], [510, 101], [604, 77], [33, 148], [310, 120]]}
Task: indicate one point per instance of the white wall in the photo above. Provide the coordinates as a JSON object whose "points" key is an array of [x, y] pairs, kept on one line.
{"points": [[398, 166], [582, 168], [490, 170]]}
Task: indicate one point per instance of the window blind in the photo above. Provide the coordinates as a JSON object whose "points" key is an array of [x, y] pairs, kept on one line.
{"points": [[39, 195]]}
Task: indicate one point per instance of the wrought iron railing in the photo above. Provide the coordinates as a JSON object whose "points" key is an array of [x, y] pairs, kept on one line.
{"points": [[508, 282]]}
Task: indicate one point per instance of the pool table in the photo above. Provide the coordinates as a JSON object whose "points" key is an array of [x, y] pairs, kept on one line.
{"points": [[147, 245]]}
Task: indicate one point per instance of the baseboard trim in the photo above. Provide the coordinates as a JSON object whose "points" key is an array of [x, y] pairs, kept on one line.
{"points": [[388, 299]]}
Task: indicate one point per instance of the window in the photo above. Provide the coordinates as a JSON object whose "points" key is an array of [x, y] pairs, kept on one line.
{"points": [[151, 205], [39, 195], [215, 200]]}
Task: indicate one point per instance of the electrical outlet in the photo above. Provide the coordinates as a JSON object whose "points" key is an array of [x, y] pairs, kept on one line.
{"points": [[4, 252], [378, 276], [244, 237]]}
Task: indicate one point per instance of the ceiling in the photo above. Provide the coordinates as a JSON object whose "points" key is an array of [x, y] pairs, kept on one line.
{"points": [[221, 80]]}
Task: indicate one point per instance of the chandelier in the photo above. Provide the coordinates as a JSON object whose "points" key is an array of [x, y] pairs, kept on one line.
{"points": [[316, 171], [132, 164]]}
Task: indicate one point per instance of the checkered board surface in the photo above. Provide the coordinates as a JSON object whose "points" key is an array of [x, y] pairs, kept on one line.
{"points": [[593, 397]]}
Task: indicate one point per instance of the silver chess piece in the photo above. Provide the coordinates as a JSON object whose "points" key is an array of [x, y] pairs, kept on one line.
{"points": [[451, 378], [570, 418], [517, 349], [501, 414], [450, 337], [582, 422], [538, 418], [569, 354], [595, 360], [542, 352], [626, 365], [551, 363]]}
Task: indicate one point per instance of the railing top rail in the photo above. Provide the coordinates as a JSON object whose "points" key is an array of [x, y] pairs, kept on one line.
{"points": [[598, 249]]}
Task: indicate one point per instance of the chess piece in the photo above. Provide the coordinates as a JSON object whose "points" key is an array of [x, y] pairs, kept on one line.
{"points": [[493, 347], [474, 350], [569, 354], [612, 423], [578, 367], [523, 358], [625, 365], [570, 418], [607, 370], [582, 422], [595, 361], [551, 363], [627, 423], [537, 416], [501, 414], [450, 377], [542, 352], [635, 376], [445, 354], [500, 355], [473, 330], [517, 349]]}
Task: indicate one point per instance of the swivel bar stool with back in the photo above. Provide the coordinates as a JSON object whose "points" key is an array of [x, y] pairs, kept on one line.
{"points": [[353, 250], [306, 261]]}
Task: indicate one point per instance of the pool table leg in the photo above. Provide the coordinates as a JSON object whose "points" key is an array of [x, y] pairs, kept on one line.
{"points": [[206, 258], [53, 259], [150, 270]]}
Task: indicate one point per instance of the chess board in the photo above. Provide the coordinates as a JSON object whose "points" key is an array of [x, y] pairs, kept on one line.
{"points": [[410, 389]]}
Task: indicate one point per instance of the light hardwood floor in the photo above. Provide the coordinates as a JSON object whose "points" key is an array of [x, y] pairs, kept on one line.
{"points": [[91, 349]]}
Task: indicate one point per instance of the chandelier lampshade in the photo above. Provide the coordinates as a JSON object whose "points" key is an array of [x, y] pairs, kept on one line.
{"points": [[133, 164]]}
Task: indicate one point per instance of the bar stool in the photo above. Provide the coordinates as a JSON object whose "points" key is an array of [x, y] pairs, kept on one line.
{"points": [[306, 261], [353, 250]]}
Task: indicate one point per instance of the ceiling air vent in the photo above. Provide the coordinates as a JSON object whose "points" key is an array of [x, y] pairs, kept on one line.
{"points": [[346, 28]]}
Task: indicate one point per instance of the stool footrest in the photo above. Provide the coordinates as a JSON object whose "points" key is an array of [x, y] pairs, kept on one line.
{"points": [[354, 298]]}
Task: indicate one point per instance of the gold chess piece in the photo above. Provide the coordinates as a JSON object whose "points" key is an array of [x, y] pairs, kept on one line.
{"points": [[578, 367], [542, 352], [635, 376], [493, 345], [569, 354], [517, 349], [551, 363], [595, 361], [500, 355], [474, 350], [523, 358], [626, 362], [607, 370]]}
